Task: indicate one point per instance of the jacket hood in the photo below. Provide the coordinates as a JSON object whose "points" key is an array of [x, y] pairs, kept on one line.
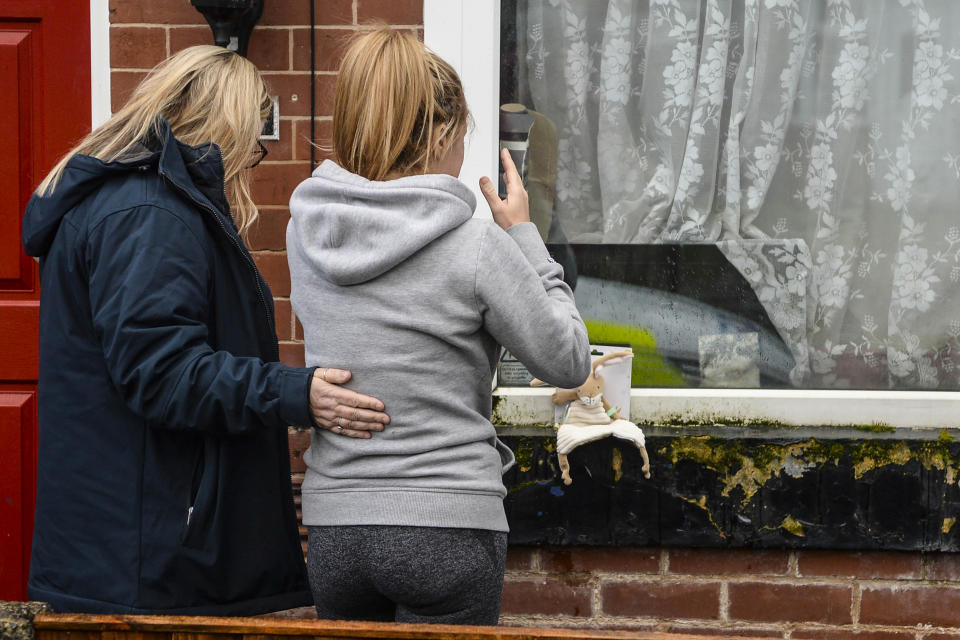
{"points": [[195, 169], [352, 229], [82, 176]]}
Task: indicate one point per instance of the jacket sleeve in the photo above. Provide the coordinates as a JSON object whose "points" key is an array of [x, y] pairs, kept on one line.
{"points": [[528, 308], [150, 280]]}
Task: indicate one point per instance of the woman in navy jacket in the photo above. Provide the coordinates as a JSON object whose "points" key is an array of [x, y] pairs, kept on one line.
{"points": [[163, 481]]}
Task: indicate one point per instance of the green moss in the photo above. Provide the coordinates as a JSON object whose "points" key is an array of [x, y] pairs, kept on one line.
{"points": [[945, 437], [502, 416], [616, 463], [936, 455], [523, 452], [702, 503], [823, 452], [678, 420], [791, 525], [749, 471], [871, 454], [649, 368], [713, 453], [766, 455], [876, 427], [948, 525]]}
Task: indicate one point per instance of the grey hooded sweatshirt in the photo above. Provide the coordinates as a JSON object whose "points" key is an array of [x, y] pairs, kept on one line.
{"points": [[397, 282]]}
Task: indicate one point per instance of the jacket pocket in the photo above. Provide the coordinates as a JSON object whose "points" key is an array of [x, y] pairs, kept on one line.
{"points": [[197, 507]]}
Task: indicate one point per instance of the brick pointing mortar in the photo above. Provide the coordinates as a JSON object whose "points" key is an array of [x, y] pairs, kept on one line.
{"points": [[725, 601], [536, 562], [855, 605], [597, 599]]}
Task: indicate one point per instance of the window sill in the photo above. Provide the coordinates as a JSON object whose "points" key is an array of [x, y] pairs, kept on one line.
{"points": [[867, 410]]}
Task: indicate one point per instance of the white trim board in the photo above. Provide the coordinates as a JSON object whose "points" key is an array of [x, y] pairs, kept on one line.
{"points": [[782, 407], [100, 110], [466, 33]]}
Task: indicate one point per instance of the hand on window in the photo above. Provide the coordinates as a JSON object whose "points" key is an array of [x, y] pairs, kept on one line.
{"points": [[343, 411], [515, 208]]}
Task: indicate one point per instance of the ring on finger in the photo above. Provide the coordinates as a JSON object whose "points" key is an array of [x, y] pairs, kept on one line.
{"points": [[323, 374], [339, 424]]}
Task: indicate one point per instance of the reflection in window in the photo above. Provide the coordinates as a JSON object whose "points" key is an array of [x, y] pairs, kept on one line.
{"points": [[752, 194]]}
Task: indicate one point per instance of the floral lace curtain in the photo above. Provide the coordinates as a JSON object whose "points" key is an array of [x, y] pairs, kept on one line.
{"points": [[815, 142]]}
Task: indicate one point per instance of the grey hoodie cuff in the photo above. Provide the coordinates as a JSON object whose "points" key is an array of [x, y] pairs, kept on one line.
{"points": [[295, 396], [527, 237]]}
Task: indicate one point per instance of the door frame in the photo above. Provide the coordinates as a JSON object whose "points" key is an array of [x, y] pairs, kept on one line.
{"points": [[99, 62]]}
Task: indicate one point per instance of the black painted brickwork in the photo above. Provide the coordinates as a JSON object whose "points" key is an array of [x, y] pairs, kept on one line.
{"points": [[876, 493]]}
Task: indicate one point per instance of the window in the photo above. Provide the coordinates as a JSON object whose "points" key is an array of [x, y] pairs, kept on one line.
{"points": [[756, 196]]}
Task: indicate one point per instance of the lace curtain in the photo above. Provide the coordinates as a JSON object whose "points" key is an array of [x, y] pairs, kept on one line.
{"points": [[815, 142]]}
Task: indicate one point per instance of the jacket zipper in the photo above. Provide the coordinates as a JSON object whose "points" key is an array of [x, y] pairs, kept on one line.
{"points": [[235, 242]]}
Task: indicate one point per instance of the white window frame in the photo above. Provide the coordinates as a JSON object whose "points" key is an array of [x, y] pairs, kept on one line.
{"points": [[466, 33], [99, 62]]}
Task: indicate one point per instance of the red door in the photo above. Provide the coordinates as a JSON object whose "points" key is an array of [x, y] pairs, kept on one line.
{"points": [[44, 110]]}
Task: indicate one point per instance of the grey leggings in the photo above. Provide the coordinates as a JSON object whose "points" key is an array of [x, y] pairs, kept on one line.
{"points": [[407, 574]]}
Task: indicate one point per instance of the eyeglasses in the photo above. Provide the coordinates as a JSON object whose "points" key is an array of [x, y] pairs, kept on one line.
{"points": [[257, 156]]}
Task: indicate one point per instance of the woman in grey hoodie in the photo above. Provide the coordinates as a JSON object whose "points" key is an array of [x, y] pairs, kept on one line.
{"points": [[394, 279]]}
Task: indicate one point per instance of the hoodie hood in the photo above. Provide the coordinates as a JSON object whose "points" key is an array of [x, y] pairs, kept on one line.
{"points": [[352, 229], [197, 170]]}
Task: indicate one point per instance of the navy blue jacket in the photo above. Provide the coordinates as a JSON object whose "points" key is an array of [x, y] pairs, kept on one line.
{"points": [[163, 481]]}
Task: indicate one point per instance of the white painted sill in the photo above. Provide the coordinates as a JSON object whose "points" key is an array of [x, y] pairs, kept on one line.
{"points": [[521, 406]]}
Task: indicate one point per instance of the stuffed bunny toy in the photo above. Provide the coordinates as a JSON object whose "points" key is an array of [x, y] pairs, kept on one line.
{"points": [[590, 417]]}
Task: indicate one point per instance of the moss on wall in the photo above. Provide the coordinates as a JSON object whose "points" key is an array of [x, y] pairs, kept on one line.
{"points": [[748, 471], [759, 488]]}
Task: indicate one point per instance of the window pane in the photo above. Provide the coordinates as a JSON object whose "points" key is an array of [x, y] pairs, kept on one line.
{"points": [[751, 194]]}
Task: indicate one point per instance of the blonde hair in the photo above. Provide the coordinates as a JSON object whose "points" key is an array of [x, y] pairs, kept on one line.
{"points": [[396, 104], [207, 94]]}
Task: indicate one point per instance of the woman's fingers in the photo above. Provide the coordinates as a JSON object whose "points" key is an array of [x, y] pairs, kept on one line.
{"points": [[339, 425], [510, 174], [515, 208], [358, 400], [490, 195], [324, 386], [335, 376], [353, 417], [341, 410]]}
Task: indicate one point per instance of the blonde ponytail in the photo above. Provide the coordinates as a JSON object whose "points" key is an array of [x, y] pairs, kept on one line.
{"points": [[394, 105]]}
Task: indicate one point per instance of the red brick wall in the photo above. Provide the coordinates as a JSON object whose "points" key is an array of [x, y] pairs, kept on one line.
{"points": [[826, 595], [830, 595]]}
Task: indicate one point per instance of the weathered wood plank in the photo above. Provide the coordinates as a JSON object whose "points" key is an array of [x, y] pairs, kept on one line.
{"points": [[92, 627]]}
